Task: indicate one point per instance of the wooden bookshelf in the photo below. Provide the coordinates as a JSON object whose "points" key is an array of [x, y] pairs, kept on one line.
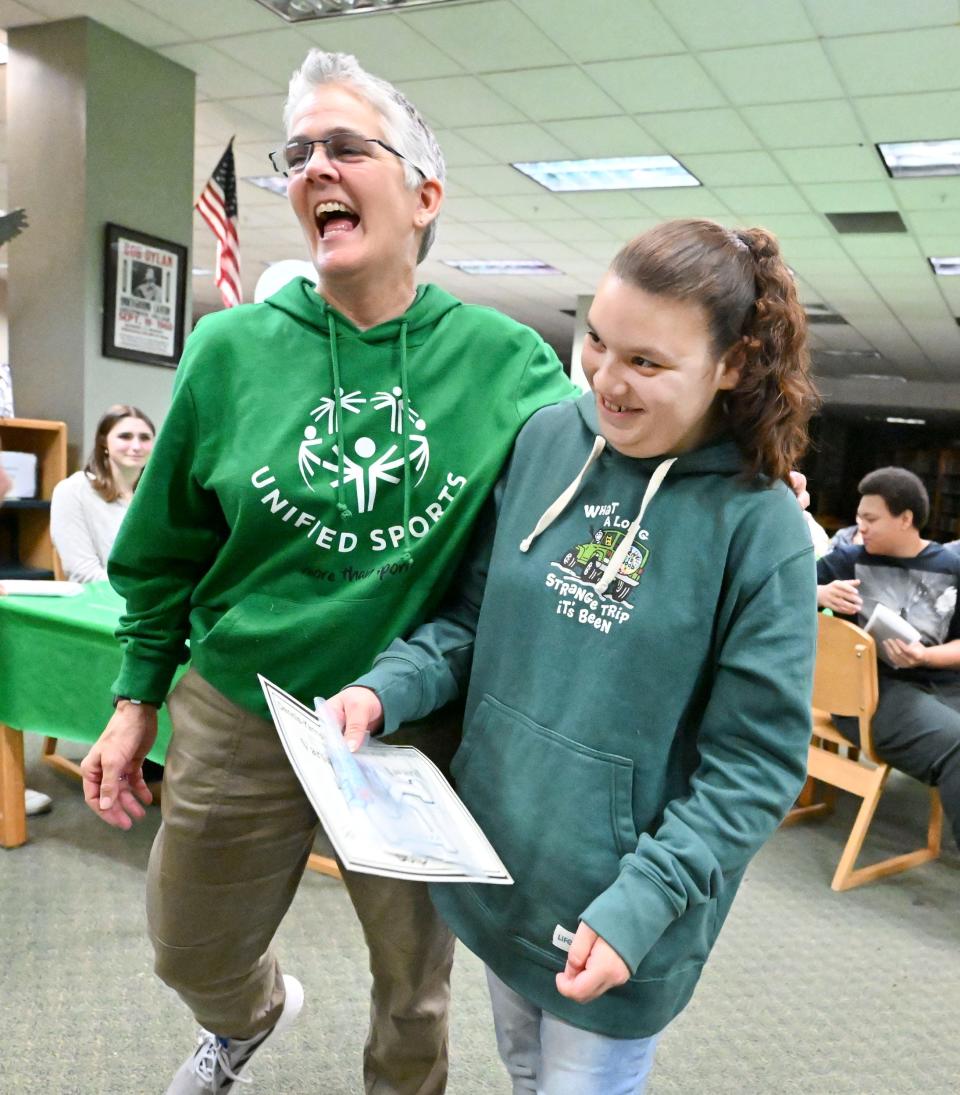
{"points": [[25, 547]]}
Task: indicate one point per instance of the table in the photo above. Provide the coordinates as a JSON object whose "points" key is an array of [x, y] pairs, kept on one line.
{"points": [[58, 659]]}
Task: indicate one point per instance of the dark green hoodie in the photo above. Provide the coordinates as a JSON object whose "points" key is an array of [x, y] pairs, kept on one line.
{"points": [[298, 511], [625, 751]]}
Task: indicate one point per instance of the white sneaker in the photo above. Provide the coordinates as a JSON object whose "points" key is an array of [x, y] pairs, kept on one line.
{"points": [[36, 802], [217, 1063]]}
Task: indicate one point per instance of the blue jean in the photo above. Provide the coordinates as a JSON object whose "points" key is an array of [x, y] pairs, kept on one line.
{"points": [[546, 1056]]}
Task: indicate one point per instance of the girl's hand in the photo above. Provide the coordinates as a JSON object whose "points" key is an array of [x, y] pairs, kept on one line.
{"points": [[593, 966], [360, 711]]}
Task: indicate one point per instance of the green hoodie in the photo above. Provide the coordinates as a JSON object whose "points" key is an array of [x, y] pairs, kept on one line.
{"points": [[297, 511], [625, 751]]}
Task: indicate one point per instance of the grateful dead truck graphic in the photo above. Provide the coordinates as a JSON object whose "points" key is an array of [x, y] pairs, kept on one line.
{"points": [[590, 558]]}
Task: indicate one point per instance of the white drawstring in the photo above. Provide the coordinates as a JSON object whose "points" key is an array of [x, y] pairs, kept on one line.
{"points": [[553, 511], [615, 561]]}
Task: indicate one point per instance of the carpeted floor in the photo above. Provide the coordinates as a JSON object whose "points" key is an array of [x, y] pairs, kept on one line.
{"points": [[807, 991]]}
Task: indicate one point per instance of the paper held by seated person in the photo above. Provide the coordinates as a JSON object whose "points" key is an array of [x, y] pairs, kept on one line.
{"points": [[885, 624], [34, 587], [386, 808]]}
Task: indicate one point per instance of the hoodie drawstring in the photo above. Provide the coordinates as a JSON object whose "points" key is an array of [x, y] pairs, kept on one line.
{"points": [[615, 561], [407, 486], [342, 508], [553, 511]]}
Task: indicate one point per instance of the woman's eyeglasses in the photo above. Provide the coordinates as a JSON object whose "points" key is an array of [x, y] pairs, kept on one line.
{"points": [[339, 147]]}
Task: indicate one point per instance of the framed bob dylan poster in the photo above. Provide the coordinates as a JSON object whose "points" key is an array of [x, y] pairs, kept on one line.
{"points": [[145, 284]]}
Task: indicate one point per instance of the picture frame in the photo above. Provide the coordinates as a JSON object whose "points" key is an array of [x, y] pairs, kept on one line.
{"points": [[144, 297]]}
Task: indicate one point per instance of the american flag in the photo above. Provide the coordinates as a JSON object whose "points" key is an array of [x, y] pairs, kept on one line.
{"points": [[218, 207]]}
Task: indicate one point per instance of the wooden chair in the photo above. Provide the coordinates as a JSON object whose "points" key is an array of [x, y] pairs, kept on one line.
{"points": [[845, 683], [48, 751]]}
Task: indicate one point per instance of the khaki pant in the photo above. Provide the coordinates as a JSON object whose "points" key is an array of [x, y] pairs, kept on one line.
{"points": [[237, 830]]}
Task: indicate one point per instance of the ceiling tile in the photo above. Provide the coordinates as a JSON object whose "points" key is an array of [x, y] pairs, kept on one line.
{"points": [[737, 22], [933, 194], [474, 210], [867, 247], [493, 180], [929, 222], [657, 83], [617, 135], [845, 163], [793, 225], [123, 16], [686, 202], [489, 37], [579, 230], [212, 17], [218, 75], [13, 14], [864, 197], [517, 143], [731, 168], [535, 207], [615, 29], [682, 131], [931, 115], [606, 204], [276, 53], [266, 109], [546, 94], [217, 122], [458, 101], [516, 230], [458, 152], [792, 72], [864, 16], [910, 60], [804, 125], [383, 44], [762, 199]]}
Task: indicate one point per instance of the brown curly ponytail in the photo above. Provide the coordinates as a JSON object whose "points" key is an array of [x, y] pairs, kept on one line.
{"points": [[756, 322]]}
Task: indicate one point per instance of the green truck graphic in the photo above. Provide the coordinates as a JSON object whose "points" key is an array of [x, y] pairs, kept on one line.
{"points": [[590, 558]]}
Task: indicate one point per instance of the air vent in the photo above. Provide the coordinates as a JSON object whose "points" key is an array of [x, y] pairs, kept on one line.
{"points": [[820, 318], [573, 312], [855, 223]]}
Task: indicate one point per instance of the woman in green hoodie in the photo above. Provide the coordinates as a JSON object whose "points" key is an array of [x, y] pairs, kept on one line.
{"points": [[639, 662]]}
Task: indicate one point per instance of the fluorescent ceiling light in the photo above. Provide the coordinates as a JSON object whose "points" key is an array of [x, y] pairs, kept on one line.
{"points": [[879, 376], [492, 267], [613, 173], [918, 159], [847, 353], [276, 184], [3, 53], [906, 421], [298, 11], [946, 267], [201, 272]]}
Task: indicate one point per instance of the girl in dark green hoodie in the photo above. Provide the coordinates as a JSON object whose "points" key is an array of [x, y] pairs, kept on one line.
{"points": [[639, 662]]}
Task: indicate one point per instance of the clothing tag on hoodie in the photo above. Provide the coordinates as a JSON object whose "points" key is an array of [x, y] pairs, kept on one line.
{"points": [[562, 938]]}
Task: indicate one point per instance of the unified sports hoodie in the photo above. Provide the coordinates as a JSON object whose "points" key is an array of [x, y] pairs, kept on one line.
{"points": [[640, 666], [314, 486]]}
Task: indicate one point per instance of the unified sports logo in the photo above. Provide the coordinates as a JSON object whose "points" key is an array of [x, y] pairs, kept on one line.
{"points": [[368, 460]]}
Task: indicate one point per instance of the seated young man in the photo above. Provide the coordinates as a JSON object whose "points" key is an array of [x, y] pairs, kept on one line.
{"points": [[917, 724]]}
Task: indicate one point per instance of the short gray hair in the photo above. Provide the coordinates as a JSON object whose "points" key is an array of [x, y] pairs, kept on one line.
{"points": [[403, 126]]}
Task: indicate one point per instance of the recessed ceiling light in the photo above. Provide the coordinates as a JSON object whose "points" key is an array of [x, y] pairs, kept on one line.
{"points": [[276, 184], [873, 223], [3, 53], [490, 267], [613, 173], [297, 11], [201, 272], [906, 421], [945, 267], [919, 159]]}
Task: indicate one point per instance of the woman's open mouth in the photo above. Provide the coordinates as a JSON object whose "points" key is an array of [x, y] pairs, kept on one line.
{"points": [[334, 219]]}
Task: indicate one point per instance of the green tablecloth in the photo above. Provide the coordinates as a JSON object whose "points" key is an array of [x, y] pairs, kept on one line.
{"points": [[58, 659]]}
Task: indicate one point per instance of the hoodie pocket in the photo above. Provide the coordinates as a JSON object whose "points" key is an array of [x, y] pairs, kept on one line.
{"points": [[559, 814]]}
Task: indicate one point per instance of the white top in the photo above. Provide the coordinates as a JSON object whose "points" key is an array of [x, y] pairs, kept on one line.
{"points": [[83, 527]]}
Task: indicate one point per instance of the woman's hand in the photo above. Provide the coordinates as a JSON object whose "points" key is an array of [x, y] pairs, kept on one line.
{"points": [[593, 966], [905, 655], [360, 711], [112, 774]]}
